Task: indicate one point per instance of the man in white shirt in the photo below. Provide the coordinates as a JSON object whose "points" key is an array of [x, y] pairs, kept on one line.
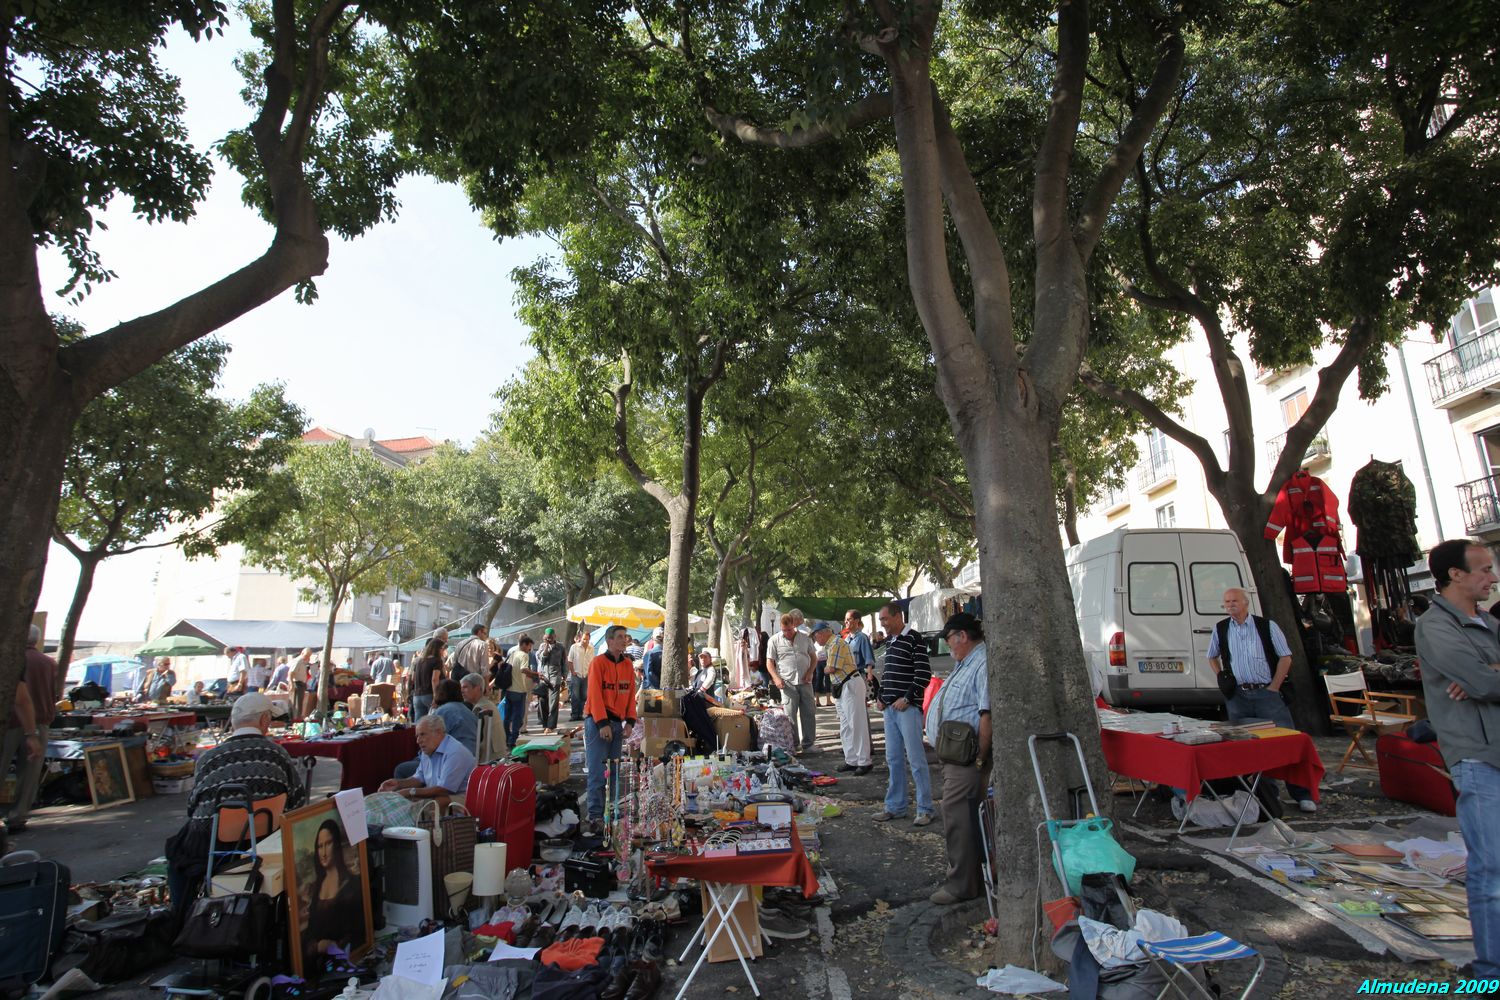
{"points": [[789, 658], [580, 655]]}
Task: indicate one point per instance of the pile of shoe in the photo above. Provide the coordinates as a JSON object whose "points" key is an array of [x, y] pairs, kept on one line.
{"points": [[785, 915]]}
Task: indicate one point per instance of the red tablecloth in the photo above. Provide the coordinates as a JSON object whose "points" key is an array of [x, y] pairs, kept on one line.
{"points": [[1156, 758], [108, 720], [790, 868], [367, 760]]}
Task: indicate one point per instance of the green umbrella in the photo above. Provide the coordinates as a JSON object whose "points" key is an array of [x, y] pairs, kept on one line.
{"points": [[178, 645]]}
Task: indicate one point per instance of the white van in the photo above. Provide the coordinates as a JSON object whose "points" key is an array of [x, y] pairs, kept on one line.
{"points": [[1147, 602]]}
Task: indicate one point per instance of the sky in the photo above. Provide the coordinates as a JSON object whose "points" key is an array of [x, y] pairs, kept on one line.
{"points": [[413, 330]]}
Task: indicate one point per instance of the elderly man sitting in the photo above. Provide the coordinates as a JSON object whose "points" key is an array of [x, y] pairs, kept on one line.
{"points": [[248, 758], [442, 770], [472, 687]]}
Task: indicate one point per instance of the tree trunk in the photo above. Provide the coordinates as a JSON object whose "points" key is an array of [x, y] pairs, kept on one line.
{"points": [[325, 677], [1036, 661], [750, 599], [720, 599], [35, 433], [494, 608], [88, 563], [683, 529], [1070, 499], [1247, 519]]}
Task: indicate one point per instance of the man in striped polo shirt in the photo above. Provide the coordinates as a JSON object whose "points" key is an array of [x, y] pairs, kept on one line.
{"points": [[902, 684]]}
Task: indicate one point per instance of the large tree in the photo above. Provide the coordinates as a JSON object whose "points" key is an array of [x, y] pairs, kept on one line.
{"points": [[90, 116], [1325, 182], [157, 453], [1003, 371], [339, 522]]}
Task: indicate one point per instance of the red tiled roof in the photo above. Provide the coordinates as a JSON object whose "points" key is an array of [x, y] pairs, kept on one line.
{"points": [[319, 434], [419, 443]]}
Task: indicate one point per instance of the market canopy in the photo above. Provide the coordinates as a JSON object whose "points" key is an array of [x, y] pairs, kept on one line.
{"points": [[831, 608], [618, 609], [260, 635]]}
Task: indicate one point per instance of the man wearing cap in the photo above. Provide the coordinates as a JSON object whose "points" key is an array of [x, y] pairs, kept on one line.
{"points": [[552, 664], [963, 699], [845, 679], [651, 661]]}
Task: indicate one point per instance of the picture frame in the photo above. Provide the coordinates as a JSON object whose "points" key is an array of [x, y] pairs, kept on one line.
{"points": [[108, 774], [328, 888]]}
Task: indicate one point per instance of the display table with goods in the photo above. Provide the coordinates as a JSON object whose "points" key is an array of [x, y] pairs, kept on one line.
{"points": [[367, 756], [1189, 754]]}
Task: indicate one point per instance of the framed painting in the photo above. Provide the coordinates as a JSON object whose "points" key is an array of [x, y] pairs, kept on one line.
{"points": [[328, 889], [109, 777]]}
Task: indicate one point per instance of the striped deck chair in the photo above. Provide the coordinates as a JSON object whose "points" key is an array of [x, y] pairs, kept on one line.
{"points": [[1172, 959]]}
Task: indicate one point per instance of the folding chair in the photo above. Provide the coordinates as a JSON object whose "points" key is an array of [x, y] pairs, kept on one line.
{"points": [[987, 860], [1360, 711], [1173, 958]]}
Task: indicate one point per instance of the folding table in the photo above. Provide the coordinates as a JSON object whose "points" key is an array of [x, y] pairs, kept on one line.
{"points": [[727, 882]]}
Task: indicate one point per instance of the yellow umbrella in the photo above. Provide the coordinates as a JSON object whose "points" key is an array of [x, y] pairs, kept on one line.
{"points": [[618, 609]]}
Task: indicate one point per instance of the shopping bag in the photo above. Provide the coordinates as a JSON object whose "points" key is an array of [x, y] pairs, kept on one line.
{"points": [[1086, 848], [454, 835]]}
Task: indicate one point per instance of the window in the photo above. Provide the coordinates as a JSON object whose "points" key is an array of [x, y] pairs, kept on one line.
{"points": [[1293, 406], [1210, 580], [1478, 316], [307, 604], [445, 612], [1166, 516], [1157, 446], [424, 614], [1154, 588], [377, 607]]}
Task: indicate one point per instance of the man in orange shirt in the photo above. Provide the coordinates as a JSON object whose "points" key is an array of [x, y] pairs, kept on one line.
{"points": [[608, 711]]}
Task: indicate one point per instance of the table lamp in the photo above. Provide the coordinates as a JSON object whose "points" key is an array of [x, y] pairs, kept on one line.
{"points": [[489, 873]]}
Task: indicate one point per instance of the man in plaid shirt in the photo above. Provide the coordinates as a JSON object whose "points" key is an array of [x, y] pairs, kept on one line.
{"points": [[849, 687]]}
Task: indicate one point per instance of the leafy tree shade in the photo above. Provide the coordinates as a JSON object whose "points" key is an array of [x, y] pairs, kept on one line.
{"points": [[1331, 178], [156, 453], [336, 517]]}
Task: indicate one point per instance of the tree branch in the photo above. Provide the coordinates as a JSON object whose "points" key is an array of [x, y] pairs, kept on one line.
{"points": [[851, 116], [1049, 202], [1160, 420], [622, 439]]}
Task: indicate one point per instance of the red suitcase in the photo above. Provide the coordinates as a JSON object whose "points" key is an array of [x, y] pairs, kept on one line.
{"points": [[1414, 772], [503, 798]]}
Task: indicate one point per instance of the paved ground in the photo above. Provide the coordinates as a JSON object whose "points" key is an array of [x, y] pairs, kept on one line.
{"points": [[881, 937]]}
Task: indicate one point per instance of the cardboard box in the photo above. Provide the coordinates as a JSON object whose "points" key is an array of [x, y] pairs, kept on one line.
{"points": [[233, 880], [662, 728], [663, 703], [551, 772], [733, 731], [746, 916], [172, 786]]}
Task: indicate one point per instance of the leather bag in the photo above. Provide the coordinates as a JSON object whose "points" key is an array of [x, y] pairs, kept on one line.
{"points": [[232, 926], [454, 835]]}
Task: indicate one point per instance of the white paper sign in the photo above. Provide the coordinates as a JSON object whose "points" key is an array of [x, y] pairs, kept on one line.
{"points": [[393, 622], [351, 803], [503, 950], [421, 959]]}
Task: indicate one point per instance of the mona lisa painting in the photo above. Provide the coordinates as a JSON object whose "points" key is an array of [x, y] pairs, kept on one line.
{"points": [[328, 891]]}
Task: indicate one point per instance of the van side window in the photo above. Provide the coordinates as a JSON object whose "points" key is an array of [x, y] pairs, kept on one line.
{"points": [[1155, 588], [1210, 580]]}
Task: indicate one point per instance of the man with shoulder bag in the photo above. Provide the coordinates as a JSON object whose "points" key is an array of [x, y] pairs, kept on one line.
{"points": [[958, 725]]}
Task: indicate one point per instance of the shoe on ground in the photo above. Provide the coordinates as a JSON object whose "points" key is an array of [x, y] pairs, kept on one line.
{"points": [[945, 898], [863, 769], [783, 927], [922, 819], [810, 750], [845, 767], [885, 817], [1307, 806], [646, 982], [15, 826]]}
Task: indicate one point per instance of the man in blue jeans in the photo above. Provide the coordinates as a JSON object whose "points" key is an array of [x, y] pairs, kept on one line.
{"points": [[1254, 650], [1459, 646], [902, 684]]}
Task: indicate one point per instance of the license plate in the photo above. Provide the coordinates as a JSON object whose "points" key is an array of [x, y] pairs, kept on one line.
{"points": [[1161, 666]]}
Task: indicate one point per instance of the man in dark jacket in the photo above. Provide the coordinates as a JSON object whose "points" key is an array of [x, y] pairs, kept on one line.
{"points": [[1459, 646]]}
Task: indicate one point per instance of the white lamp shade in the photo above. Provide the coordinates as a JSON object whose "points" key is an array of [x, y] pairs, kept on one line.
{"points": [[489, 869]]}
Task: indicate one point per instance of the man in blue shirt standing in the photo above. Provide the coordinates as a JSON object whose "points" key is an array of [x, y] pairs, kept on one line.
{"points": [[1255, 652], [964, 698]]}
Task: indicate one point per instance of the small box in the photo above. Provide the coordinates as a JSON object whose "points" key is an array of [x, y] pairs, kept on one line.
{"points": [[233, 880], [551, 772], [746, 916], [594, 876], [653, 702], [663, 728], [733, 731], [172, 786]]}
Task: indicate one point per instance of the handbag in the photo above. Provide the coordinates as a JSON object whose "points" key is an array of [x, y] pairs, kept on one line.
{"points": [[957, 742], [231, 926], [454, 835]]}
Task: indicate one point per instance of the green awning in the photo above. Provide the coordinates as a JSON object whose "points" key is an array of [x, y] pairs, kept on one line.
{"points": [[831, 609]]}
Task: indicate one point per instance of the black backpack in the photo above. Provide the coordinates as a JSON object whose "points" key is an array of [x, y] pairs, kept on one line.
{"points": [[501, 673]]}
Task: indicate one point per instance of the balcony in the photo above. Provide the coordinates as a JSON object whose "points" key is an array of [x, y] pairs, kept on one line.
{"points": [[1468, 370], [1480, 501], [1155, 473], [1317, 452], [1114, 501]]}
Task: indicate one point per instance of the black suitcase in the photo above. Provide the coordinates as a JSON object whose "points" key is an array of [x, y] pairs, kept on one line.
{"points": [[33, 912]]}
